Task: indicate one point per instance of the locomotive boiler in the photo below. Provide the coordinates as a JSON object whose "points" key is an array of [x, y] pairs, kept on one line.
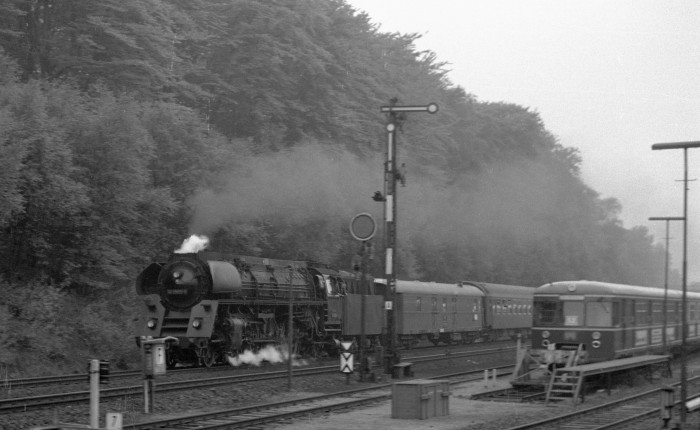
{"points": [[220, 305]]}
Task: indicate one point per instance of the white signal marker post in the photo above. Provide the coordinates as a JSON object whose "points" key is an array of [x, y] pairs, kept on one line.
{"points": [[396, 115], [94, 393], [346, 361]]}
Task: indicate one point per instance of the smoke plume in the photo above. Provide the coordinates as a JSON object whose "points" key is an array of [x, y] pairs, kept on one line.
{"points": [[193, 244]]}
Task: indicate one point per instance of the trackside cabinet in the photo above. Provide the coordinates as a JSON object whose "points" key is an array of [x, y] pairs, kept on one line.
{"points": [[420, 399], [153, 357]]}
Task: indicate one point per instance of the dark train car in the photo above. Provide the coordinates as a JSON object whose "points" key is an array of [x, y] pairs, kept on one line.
{"points": [[218, 305], [596, 321], [507, 310]]}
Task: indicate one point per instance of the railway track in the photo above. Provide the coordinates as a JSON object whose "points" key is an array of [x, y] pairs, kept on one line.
{"points": [[258, 415], [49, 400], [627, 412], [15, 404]]}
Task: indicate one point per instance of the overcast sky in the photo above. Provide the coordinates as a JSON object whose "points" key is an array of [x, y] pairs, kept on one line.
{"points": [[607, 77]]}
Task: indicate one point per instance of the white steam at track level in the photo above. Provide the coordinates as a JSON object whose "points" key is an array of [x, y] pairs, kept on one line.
{"points": [[270, 354], [193, 244]]}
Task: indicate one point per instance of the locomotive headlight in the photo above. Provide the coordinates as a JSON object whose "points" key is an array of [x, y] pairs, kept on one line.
{"points": [[197, 323], [545, 334], [151, 323], [596, 335], [595, 344]]}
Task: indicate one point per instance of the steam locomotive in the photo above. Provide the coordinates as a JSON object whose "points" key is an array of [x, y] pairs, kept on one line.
{"points": [[220, 305]]}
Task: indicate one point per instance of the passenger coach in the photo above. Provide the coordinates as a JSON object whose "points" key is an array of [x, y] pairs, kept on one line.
{"points": [[507, 310], [606, 321], [437, 312]]}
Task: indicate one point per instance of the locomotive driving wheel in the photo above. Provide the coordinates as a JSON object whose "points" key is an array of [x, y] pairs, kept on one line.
{"points": [[208, 356], [170, 360]]}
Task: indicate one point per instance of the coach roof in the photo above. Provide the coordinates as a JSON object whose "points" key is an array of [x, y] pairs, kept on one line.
{"points": [[607, 289], [503, 291], [419, 287]]}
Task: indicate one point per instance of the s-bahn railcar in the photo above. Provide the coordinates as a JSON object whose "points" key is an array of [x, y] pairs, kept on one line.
{"points": [[596, 321], [218, 305]]}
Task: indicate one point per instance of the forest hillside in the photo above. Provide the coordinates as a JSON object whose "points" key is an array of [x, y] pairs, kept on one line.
{"points": [[128, 125]]}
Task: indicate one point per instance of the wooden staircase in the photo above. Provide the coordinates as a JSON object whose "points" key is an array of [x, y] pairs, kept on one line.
{"points": [[565, 383]]}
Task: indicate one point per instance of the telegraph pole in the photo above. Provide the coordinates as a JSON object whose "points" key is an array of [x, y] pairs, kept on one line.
{"points": [[668, 219], [684, 305], [396, 116]]}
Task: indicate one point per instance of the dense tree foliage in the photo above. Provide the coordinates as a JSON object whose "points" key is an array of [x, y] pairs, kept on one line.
{"points": [[126, 125]]}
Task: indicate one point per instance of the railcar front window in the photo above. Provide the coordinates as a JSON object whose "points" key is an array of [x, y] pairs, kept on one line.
{"points": [[599, 314], [548, 313], [573, 313]]}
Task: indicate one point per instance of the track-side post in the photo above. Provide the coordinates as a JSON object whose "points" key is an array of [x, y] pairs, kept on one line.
{"points": [[396, 115], [363, 228]]}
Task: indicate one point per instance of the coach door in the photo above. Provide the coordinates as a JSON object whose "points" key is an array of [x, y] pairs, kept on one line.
{"points": [[434, 312], [627, 334]]}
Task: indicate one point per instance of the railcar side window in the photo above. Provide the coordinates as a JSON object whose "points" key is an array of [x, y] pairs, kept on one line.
{"points": [[547, 313], [599, 314], [671, 313], [616, 317], [657, 312], [642, 313]]}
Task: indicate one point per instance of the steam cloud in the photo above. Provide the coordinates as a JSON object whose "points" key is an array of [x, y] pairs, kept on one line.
{"points": [[270, 354], [193, 244]]}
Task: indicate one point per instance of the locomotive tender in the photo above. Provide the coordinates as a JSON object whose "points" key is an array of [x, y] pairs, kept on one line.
{"points": [[595, 321], [220, 305]]}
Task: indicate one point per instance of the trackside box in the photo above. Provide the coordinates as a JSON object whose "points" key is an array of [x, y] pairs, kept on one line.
{"points": [[420, 399]]}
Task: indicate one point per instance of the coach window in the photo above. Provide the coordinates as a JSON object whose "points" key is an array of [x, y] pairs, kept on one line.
{"points": [[599, 313], [434, 304], [418, 304]]}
